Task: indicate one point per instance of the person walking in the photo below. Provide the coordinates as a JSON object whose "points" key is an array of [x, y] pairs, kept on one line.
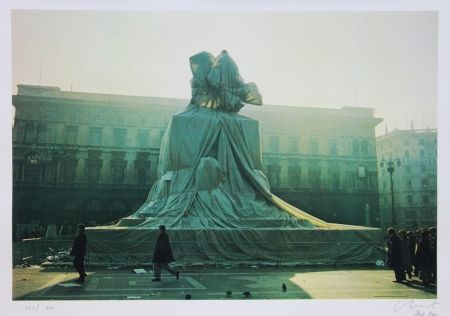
{"points": [[79, 252], [395, 255], [163, 255]]}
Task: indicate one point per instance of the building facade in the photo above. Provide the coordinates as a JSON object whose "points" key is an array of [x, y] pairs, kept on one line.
{"points": [[322, 160], [93, 157], [414, 180]]}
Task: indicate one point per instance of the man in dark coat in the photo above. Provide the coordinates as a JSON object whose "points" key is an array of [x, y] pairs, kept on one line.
{"points": [[424, 257], [162, 255], [395, 255], [79, 251]]}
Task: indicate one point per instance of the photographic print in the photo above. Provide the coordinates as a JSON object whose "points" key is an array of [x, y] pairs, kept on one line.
{"points": [[224, 155]]}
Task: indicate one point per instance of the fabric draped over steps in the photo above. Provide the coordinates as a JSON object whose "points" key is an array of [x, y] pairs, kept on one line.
{"points": [[215, 201]]}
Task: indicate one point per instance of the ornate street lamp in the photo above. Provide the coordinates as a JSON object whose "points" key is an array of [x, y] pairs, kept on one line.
{"points": [[390, 167]]}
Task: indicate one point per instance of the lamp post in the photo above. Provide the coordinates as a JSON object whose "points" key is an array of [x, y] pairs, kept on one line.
{"points": [[390, 167]]}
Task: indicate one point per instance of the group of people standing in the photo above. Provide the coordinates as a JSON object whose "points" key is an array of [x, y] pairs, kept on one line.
{"points": [[413, 253], [162, 254]]}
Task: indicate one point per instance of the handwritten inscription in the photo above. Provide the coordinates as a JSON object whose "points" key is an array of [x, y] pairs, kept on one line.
{"points": [[418, 309], [38, 307]]}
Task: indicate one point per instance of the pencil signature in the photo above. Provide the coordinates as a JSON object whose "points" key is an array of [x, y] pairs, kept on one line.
{"points": [[421, 309]]}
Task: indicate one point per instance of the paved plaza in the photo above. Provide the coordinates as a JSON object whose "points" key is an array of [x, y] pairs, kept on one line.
{"points": [[212, 283]]}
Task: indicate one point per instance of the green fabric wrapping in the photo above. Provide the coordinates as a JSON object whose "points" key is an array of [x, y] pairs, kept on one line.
{"points": [[216, 203], [213, 197], [216, 83], [209, 177]]}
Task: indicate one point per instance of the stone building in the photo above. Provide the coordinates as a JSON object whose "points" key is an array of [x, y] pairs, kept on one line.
{"points": [[322, 160], [93, 157], [414, 181]]}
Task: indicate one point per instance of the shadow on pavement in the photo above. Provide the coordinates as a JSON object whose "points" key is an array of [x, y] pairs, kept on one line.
{"points": [[418, 285]]}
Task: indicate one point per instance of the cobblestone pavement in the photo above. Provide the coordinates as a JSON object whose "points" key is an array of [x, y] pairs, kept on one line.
{"points": [[37, 283]]}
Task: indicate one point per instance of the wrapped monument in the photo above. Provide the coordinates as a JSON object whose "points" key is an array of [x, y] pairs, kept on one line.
{"points": [[213, 197]]}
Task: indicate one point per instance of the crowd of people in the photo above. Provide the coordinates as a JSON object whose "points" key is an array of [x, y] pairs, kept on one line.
{"points": [[413, 254]]}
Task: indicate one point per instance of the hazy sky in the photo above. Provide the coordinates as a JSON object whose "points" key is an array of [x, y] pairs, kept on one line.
{"points": [[384, 60]]}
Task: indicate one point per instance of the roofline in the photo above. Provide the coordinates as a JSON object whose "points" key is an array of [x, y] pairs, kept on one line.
{"points": [[35, 91]]}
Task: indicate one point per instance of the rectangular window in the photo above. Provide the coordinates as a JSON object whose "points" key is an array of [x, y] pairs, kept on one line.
{"points": [[143, 138], [273, 175], [313, 144], [364, 148], [118, 169], [293, 145], [314, 178], [333, 147], [119, 137], [356, 149], [95, 136], [422, 153], [409, 199], [72, 116], [349, 180], [71, 135], [409, 184], [294, 177], [69, 168], [361, 171], [426, 199], [93, 170], [334, 178], [42, 132], [274, 144]]}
